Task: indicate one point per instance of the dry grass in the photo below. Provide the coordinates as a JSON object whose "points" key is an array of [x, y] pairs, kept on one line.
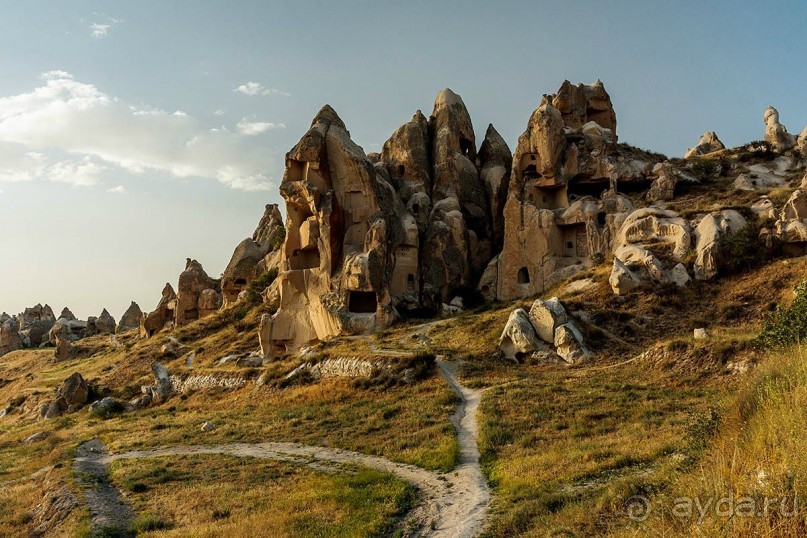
{"points": [[206, 496]]}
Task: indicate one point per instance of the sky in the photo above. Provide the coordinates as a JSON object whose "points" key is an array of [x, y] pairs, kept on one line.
{"points": [[134, 135]]}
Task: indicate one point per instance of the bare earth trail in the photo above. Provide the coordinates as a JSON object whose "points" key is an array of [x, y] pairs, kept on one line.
{"points": [[453, 505]]}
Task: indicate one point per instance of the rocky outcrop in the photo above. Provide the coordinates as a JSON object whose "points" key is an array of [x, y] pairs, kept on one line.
{"points": [[130, 320], [547, 325], [622, 279], [710, 234], [791, 227], [162, 316], [775, 133], [105, 323], [708, 143], [253, 256], [495, 160], [61, 336], [35, 322], [10, 339], [70, 396], [193, 298], [518, 337], [563, 208]]}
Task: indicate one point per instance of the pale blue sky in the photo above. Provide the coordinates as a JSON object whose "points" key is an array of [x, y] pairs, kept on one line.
{"points": [[103, 117]]}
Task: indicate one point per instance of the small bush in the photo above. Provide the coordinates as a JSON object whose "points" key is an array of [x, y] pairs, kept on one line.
{"points": [[704, 168], [149, 522], [259, 284], [786, 326], [742, 251]]}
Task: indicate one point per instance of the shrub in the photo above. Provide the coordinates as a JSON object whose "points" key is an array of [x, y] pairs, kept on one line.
{"points": [[259, 284], [786, 326], [149, 522], [703, 168], [742, 251]]}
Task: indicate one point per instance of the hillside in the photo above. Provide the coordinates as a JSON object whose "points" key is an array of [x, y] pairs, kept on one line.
{"points": [[441, 342]]}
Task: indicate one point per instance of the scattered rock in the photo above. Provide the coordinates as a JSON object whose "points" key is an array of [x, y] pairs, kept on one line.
{"points": [[35, 438], [700, 334], [208, 426], [708, 143], [519, 336]]}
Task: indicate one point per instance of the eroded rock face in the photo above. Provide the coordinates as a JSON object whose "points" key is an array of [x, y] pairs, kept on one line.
{"points": [[130, 319], [193, 301], [712, 230], [708, 143], [35, 322], [519, 337], [253, 256], [563, 209], [60, 336], [10, 339], [105, 323], [791, 226], [70, 396], [776, 133], [162, 316]]}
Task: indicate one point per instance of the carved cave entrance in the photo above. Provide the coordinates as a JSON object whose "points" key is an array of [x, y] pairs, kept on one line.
{"points": [[362, 302]]}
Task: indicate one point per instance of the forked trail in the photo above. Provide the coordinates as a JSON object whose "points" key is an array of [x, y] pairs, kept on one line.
{"points": [[453, 505]]}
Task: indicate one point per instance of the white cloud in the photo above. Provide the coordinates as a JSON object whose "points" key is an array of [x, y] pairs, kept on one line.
{"points": [[251, 128], [101, 29], [67, 116], [78, 174], [120, 189], [256, 88], [219, 112]]}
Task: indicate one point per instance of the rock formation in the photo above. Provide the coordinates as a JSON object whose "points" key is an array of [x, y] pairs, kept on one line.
{"points": [[35, 322], [708, 143], [563, 208], [791, 227], [162, 316], [105, 323], [70, 396], [710, 234], [10, 339], [61, 336], [130, 320], [775, 133], [197, 294], [254, 255], [546, 325]]}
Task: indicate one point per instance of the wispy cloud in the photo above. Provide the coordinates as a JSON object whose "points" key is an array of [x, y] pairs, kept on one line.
{"points": [[251, 128], [40, 130], [102, 29], [256, 88], [120, 189]]}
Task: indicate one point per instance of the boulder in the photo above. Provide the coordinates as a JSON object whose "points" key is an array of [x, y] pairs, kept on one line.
{"points": [[70, 396], [712, 230], [106, 407], [764, 209], [708, 143], [130, 319], [546, 317], [518, 337], [569, 344], [679, 275], [208, 426], [622, 279], [700, 334], [796, 206]]}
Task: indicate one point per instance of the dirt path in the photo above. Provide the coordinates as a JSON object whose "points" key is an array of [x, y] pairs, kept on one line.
{"points": [[453, 504], [109, 510]]}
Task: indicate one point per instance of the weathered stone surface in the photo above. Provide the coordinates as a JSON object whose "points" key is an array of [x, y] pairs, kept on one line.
{"points": [[708, 143], [776, 133], [130, 319], [70, 396], [665, 182], [161, 316], [34, 323], [569, 344], [193, 281], [653, 226], [253, 256], [546, 317], [60, 335], [10, 339], [764, 209], [796, 206], [711, 231], [622, 279], [583, 103], [519, 336], [495, 160], [67, 314], [105, 323]]}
